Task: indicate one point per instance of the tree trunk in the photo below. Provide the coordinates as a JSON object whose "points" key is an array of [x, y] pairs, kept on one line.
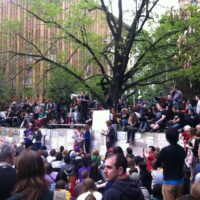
{"points": [[115, 92]]}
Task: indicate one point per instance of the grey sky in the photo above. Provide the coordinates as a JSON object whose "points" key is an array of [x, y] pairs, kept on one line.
{"points": [[128, 6], [161, 7]]}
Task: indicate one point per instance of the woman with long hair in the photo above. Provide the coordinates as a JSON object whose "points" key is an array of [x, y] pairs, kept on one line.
{"points": [[31, 184], [89, 190]]}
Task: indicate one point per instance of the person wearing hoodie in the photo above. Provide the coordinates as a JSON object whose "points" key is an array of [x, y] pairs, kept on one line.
{"points": [[120, 186]]}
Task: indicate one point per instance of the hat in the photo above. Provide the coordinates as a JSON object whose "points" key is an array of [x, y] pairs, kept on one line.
{"points": [[187, 128], [139, 97]]}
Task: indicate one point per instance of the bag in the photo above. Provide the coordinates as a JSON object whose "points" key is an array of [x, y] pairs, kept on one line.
{"points": [[61, 195]]}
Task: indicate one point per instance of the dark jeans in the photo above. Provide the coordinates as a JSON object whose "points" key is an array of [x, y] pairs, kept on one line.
{"points": [[37, 146], [87, 147], [131, 133]]}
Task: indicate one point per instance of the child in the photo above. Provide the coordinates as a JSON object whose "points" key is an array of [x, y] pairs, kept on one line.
{"points": [[78, 140], [186, 135], [61, 192], [149, 156]]}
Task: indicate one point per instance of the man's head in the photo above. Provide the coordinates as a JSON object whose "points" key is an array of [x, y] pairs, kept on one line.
{"points": [[7, 153], [172, 135], [115, 167]]}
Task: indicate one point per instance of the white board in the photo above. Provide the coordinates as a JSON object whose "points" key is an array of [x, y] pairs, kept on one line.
{"points": [[98, 124]]}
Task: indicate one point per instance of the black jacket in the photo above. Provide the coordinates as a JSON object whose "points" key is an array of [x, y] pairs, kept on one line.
{"points": [[47, 195], [8, 179], [125, 189]]}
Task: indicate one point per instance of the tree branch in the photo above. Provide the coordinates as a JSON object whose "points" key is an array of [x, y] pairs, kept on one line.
{"points": [[110, 19]]}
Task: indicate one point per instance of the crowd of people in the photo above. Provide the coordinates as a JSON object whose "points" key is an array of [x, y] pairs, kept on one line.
{"points": [[22, 113], [29, 173], [164, 112], [172, 110]]}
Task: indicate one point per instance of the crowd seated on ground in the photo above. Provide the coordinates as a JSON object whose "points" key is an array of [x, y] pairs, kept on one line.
{"points": [[166, 173]]}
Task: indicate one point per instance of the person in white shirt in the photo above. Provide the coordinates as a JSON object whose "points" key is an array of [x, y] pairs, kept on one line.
{"points": [[157, 175], [198, 104], [89, 188], [52, 156]]}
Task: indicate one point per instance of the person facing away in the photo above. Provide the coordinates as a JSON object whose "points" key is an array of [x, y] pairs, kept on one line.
{"points": [[8, 175], [31, 184], [171, 159], [121, 187], [89, 190]]}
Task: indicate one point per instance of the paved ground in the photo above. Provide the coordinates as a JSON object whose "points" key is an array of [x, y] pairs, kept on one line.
{"points": [[144, 140]]}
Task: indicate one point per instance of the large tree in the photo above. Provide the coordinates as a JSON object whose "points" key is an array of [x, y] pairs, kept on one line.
{"points": [[108, 54]]}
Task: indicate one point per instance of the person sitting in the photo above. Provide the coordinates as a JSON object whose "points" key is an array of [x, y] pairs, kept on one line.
{"points": [[50, 175], [178, 121], [96, 157], [31, 183], [124, 118], [52, 156], [192, 118], [61, 192], [85, 167], [145, 176], [78, 187], [129, 153], [161, 122], [157, 175], [132, 127], [89, 189], [146, 118], [95, 173], [58, 163]]}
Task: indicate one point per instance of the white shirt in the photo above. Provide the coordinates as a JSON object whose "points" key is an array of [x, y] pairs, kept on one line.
{"points": [[97, 195], [51, 158], [198, 107]]}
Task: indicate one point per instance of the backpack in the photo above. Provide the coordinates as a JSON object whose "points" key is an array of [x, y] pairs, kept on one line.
{"points": [[61, 195]]}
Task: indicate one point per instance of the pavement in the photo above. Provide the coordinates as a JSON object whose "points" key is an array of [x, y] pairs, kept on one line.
{"points": [[143, 140]]}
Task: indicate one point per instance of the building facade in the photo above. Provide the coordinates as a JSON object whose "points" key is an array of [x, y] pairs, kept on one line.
{"points": [[34, 33], [185, 3]]}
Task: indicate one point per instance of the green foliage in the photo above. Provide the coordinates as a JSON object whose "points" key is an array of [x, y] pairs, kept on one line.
{"points": [[173, 47]]}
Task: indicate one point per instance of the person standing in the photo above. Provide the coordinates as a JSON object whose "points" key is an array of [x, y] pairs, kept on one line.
{"points": [[28, 136], [84, 99], [37, 137], [171, 159], [198, 104], [8, 175], [110, 135], [121, 187], [87, 136]]}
